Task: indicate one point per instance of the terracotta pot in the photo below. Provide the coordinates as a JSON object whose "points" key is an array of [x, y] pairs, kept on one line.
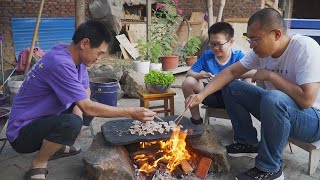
{"points": [[169, 62], [190, 60]]}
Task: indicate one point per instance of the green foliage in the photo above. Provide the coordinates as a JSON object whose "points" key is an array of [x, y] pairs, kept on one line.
{"points": [[154, 47], [158, 77], [143, 49], [163, 27], [192, 47], [156, 51]]}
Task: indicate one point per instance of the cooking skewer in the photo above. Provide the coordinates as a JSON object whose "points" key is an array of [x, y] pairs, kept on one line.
{"points": [[178, 119]]}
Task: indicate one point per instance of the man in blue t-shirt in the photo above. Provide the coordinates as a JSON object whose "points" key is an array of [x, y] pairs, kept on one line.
{"points": [[47, 111], [211, 63]]}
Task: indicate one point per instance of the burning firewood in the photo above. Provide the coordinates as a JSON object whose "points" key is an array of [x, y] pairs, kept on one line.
{"points": [[186, 167], [178, 172]]}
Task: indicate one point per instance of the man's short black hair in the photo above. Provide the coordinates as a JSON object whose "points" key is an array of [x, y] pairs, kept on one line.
{"points": [[95, 31], [269, 19], [222, 27]]}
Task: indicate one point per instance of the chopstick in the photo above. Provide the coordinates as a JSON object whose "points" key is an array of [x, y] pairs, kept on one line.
{"points": [[178, 119], [158, 118]]}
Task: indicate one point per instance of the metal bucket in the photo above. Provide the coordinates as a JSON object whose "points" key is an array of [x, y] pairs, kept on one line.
{"points": [[14, 84], [104, 90]]}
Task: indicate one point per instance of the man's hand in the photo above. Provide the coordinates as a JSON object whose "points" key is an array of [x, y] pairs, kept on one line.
{"points": [[206, 75], [142, 114], [193, 100], [262, 74], [77, 111]]}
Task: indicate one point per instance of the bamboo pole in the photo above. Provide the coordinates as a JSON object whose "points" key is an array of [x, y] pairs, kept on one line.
{"points": [[35, 32], [148, 24]]}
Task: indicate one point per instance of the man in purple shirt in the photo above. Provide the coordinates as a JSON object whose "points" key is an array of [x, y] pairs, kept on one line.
{"points": [[47, 111]]}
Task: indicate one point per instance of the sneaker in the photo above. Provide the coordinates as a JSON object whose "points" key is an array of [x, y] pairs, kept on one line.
{"points": [[256, 174], [240, 150], [196, 122]]}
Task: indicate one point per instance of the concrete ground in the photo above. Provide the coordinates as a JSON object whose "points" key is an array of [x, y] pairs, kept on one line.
{"points": [[14, 165]]}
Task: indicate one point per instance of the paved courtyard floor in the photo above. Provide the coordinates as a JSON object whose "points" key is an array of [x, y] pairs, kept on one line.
{"points": [[14, 165]]}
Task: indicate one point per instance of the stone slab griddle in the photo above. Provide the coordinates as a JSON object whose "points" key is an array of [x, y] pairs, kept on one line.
{"points": [[117, 132]]}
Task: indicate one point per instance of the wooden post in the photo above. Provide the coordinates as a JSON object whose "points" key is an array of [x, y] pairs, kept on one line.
{"points": [[288, 9], [222, 4], [80, 12], [148, 24], [210, 13], [35, 32]]}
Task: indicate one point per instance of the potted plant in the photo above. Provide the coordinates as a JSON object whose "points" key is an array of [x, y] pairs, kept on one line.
{"points": [[158, 81], [164, 26], [190, 49], [142, 65]]}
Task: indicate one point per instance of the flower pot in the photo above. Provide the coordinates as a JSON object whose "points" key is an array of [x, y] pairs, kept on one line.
{"points": [[157, 88], [190, 60], [169, 62], [142, 66], [156, 66]]}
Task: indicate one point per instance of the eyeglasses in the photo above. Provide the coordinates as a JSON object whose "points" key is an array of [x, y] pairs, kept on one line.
{"points": [[254, 42], [216, 45]]}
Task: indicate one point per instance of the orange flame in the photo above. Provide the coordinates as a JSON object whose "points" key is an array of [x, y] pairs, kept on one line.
{"points": [[175, 151]]}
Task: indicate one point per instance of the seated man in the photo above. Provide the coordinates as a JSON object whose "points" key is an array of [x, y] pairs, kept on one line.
{"points": [[288, 107], [212, 62], [46, 112]]}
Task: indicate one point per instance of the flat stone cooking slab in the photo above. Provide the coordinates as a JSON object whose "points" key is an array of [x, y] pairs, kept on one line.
{"points": [[117, 132]]}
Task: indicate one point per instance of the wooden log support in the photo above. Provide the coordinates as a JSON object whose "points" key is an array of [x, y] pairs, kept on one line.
{"points": [[186, 167]]}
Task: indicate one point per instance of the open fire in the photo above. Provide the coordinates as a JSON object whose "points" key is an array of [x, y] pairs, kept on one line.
{"points": [[163, 156]]}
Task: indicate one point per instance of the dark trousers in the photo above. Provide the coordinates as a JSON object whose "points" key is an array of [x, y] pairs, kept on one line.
{"points": [[60, 129]]}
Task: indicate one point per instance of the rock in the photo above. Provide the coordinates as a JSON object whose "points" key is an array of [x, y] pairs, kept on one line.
{"points": [[103, 162], [103, 70], [209, 146], [133, 83]]}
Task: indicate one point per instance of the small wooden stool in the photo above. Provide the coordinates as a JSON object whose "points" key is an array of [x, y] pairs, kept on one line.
{"points": [[146, 97]]}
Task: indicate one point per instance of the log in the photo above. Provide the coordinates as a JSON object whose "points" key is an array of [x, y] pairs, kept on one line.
{"points": [[178, 172], [186, 167]]}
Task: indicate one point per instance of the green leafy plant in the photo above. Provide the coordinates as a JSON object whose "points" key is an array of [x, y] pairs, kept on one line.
{"points": [[143, 49], [191, 48], [159, 77], [154, 47], [164, 25]]}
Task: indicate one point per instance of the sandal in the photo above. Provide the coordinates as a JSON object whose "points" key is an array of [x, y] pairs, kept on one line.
{"points": [[36, 171], [60, 153]]}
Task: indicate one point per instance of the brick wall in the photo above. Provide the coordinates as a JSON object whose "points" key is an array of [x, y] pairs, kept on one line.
{"points": [[29, 8], [232, 9], [66, 8]]}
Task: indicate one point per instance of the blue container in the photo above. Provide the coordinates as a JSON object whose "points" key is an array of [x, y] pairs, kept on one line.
{"points": [[104, 90]]}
